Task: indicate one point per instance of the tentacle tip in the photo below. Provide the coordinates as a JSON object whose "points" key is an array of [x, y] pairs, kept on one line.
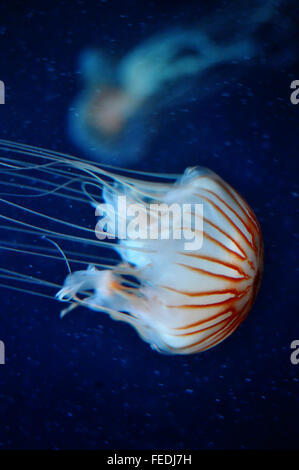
{"points": [[63, 313]]}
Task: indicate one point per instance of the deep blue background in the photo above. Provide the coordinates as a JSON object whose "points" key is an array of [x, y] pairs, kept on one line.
{"points": [[87, 382]]}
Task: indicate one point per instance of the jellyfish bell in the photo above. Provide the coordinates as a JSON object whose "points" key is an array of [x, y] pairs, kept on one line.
{"points": [[179, 300], [109, 123], [105, 119], [185, 301], [108, 111]]}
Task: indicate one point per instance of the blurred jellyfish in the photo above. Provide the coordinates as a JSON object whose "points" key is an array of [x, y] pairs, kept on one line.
{"points": [[111, 117]]}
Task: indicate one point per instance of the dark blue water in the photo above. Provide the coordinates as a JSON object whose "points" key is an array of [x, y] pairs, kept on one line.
{"points": [[88, 382]]}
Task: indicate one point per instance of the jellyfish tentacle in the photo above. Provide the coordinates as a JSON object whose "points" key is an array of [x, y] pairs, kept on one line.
{"points": [[179, 301]]}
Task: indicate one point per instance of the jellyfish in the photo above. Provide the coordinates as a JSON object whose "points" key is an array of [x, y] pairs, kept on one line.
{"points": [[181, 294], [112, 114], [121, 100]]}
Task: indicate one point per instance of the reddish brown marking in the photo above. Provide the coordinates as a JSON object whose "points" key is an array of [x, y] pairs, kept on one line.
{"points": [[231, 326], [228, 236], [115, 285], [231, 209], [256, 285], [217, 242], [228, 332], [215, 260], [251, 264], [214, 304], [228, 218], [209, 273], [231, 321], [225, 234], [227, 187], [218, 335], [205, 320], [203, 329], [234, 292]]}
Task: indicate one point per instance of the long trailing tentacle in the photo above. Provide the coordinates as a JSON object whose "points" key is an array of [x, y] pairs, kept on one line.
{"points": [[33, 172], [58, 163], [59, 156]]}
